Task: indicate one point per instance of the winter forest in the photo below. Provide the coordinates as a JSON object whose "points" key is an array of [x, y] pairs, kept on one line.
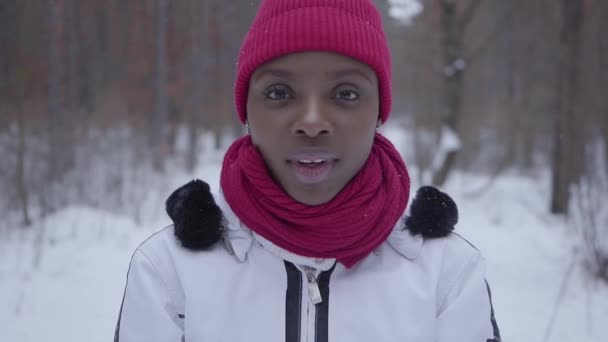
{"points": [[107, 106]]}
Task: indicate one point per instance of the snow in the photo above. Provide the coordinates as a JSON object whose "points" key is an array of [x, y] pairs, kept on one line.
{"points": [[460, 64], [73, 292], [405, 10], [448, 142], [528, 254]]}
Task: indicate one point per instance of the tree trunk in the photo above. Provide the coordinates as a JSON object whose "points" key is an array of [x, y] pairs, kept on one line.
{"points": [[197, 94], [159, 114], [454, 59], [72, 61], [61, 144], [215, 78], [566, 139], [453, 67], [602, 74], [20, 174]]}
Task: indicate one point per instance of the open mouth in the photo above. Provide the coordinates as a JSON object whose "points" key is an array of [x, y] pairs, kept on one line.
{"points": [[313, 167], [312, 163]]}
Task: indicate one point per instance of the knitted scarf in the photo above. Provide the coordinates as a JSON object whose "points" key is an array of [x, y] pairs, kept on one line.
{"points": [[348, 227]]}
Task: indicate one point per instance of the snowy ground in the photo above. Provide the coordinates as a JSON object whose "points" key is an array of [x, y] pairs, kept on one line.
{"points": [[74, 292]]}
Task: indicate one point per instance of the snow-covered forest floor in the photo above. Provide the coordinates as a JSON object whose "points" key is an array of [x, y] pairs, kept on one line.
{"points": [[62, 279]]}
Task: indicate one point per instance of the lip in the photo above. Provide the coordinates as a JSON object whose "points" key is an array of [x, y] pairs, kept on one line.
{"points": [[312, 173], [312, 156]]}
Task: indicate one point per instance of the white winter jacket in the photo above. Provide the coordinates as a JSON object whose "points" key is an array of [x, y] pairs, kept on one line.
{"points": [[246, 289]]}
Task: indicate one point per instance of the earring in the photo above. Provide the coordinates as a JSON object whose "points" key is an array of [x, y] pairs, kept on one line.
{"points": [[247, 128]]}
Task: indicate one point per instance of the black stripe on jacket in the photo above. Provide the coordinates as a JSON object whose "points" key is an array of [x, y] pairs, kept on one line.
{"points": [[293, 303], [322, 310], [493, 318]]}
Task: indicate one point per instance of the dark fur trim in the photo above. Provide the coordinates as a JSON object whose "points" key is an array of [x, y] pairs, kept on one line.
{"points": [[433, 213], [197, 220]]}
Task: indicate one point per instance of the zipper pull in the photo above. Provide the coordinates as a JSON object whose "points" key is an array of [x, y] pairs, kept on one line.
{"points": [[313, 286]]}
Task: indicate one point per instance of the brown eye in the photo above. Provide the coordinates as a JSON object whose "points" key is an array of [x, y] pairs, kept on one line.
{"points": [[277, 93], [346, 95]]}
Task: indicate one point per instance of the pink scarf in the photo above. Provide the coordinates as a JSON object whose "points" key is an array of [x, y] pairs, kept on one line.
{"points": [[349, 227]]}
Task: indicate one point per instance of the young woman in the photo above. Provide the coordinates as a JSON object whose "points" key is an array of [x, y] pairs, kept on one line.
{"points": [[308, 238]]}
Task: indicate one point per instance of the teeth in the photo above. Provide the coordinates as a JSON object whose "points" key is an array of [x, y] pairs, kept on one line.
{"points": [[318, 161]]}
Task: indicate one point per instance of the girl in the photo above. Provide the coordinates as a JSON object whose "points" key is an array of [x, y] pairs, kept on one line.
{"points": [[308, 239]]}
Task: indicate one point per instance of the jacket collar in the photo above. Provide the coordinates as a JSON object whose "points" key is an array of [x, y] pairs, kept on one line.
{"points": [[239, 240], [406, 244]]}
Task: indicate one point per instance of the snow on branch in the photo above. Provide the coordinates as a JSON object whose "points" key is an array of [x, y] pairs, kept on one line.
{"points": [[404, 10]]}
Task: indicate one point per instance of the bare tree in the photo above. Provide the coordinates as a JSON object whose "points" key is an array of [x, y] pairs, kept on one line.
{"points": [[60, 156], [601, 49], [589, 213], [20, 182], [14, 85], [57, 79], [453, 26], [565, 134], [195, 74], [72, 67], [458, 54], [160, 112]]}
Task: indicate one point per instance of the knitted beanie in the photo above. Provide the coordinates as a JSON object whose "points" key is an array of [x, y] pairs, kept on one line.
{"points": [[352, 28]]}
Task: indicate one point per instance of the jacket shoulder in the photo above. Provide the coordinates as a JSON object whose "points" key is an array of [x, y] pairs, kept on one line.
{"points": [[453, 247], [164, 249], [456, 246], [459, 260]]}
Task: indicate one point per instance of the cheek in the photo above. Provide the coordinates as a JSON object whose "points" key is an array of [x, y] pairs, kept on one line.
{"points": [[268, 151], [362, 125], [259, 139], [366, 142], [263, 136], [255, 122], [362, 141], [263, 121], [264, 139]]}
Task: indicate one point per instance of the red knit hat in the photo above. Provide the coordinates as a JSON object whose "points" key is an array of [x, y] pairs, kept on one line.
{"points": [[348, 27]]}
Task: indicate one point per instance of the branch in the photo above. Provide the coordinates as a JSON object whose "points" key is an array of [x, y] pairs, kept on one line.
{"points": [[469, 12]]}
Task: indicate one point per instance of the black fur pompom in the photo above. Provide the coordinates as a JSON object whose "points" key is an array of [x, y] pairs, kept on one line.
{"points": [[196, 218], [432, 213]]}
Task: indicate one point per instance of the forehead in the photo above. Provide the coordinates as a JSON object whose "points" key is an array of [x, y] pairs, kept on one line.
{"points": [[308, 64]]}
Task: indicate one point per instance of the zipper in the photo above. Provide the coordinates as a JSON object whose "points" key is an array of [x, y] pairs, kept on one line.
{"points": [[314, 298], [314, 292], [307, 309]]}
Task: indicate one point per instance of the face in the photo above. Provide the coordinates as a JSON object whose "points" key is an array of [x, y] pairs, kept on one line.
{"points": [[313, 117]]}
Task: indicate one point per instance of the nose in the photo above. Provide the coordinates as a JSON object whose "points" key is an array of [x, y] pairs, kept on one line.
{"points": [[312, 120]]}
